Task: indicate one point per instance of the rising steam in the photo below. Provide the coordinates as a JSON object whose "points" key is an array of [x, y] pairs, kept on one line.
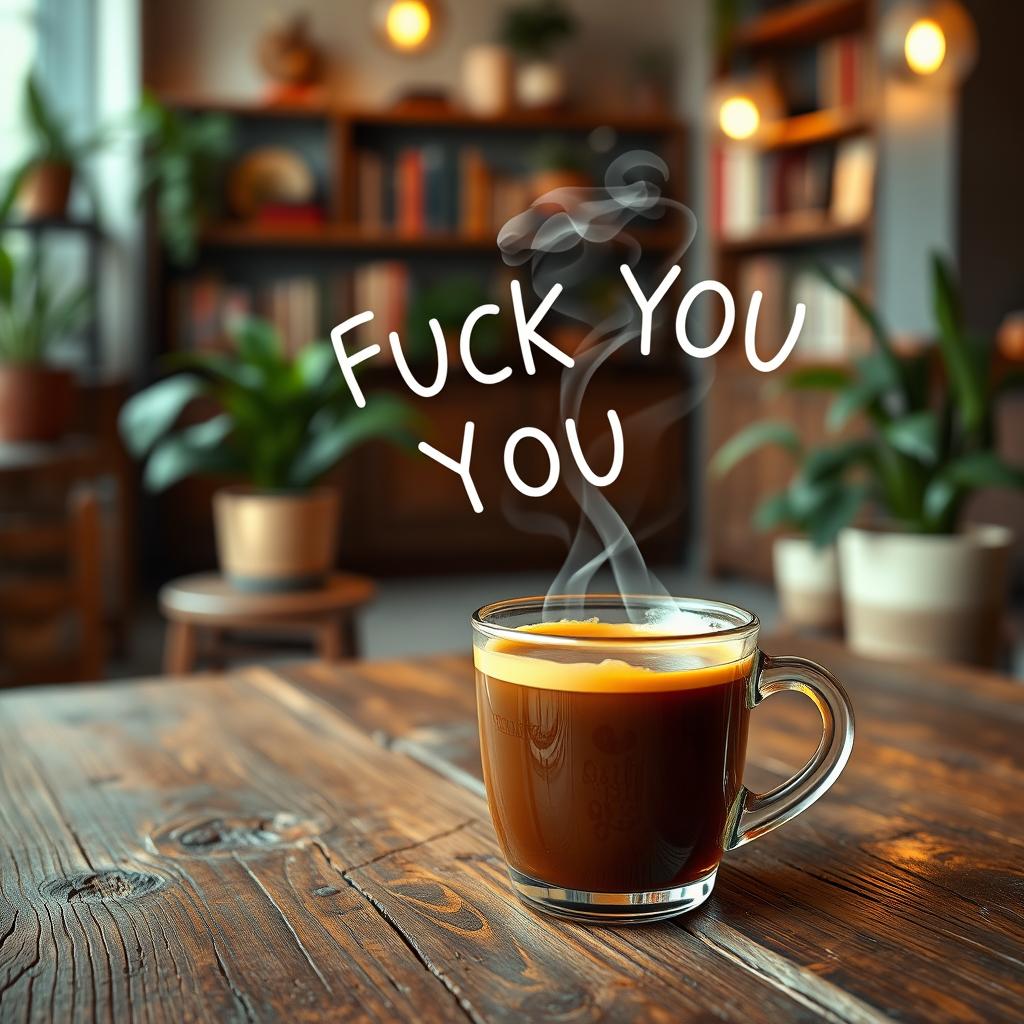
{"points": [[564, 238]]}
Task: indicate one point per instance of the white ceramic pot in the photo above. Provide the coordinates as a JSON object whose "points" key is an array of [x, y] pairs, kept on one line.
{"points": [[540, 84], [487, 76], [909, 595], [807, 579], [268, 540]]}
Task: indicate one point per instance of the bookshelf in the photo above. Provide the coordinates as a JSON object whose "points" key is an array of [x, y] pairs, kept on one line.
{"points": [[406, 514], [803, 194]]}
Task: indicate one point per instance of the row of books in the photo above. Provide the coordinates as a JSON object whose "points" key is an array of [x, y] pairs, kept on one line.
{"points": [[833, 74], [831, 328], [303, 309], [753, 189], [436, 189]]}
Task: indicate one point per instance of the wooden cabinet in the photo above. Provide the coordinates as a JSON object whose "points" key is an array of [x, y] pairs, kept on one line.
{"points": [[410, 514]]}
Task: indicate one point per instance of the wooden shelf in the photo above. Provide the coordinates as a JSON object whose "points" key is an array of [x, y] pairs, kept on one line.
{"points": [[567, 120], [793, 233], [434, 116], [816, 127], [41, 224], [800, 23], [340, 236]]}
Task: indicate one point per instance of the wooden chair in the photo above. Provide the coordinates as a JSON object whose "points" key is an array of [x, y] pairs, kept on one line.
{"points": [[51, 597]]}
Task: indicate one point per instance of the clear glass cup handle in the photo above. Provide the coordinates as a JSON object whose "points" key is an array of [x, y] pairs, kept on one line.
{"points": [[759, 813]]}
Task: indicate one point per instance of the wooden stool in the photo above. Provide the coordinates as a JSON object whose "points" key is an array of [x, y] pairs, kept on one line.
{"points": [[207, 602]]}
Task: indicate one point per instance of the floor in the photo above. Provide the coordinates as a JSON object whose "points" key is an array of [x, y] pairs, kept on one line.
{"points": [[425, 615], [430, 614]]}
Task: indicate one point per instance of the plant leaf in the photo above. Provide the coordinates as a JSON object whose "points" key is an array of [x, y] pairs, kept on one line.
{"points": [[837, 511], [866, 393], [965, 378], [828, 462], [47, 127], [258, 342], [316, 365], [984, 469], [916, 435], [775, 511], [14, 183], [6, 277], [198, 449], [752, 438], [150, 414], [383, 416], [817, 378], [871, 319], [948, 489]]}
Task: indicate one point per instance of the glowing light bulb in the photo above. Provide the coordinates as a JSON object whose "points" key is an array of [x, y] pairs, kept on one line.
{"points": [[925, 47], [739, 118], [407, 24]]}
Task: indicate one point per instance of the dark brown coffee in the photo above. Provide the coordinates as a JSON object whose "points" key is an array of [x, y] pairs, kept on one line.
{"points": [[623, 780]]}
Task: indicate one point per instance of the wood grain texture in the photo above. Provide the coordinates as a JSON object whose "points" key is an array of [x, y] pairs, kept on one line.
{"points": [[898, 895], [242, 848]]}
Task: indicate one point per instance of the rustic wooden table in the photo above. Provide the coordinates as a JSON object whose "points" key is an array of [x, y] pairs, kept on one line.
{"points": [[311, 843]]}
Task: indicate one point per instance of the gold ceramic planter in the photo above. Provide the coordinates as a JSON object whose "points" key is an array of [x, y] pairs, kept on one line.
{"points": [[276, 540]]}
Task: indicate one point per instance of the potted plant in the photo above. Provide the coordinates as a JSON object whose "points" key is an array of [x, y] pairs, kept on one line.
{"points": [[918, 581], [816, 504], [37, 400], [280, 425], [449, 302], [40, 184], [533, 31], [183, 161]]}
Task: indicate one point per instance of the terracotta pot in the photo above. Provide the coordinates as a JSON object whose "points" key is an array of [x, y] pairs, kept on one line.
{"points": [[908, 595], [807, 579], [276, 540], [37, 403], [44, 193], [543, 182]]}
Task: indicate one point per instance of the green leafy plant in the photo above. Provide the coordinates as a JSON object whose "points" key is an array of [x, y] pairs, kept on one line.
{"points": [[280, 424], [50, 141], [818, 501], [33, 314], [930, 440], [184, 158], [533, 30], [450, 301], [554, 154]]}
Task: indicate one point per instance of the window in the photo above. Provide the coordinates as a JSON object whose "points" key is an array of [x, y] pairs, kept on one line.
{"points": [[56, 37], [18, 42]]}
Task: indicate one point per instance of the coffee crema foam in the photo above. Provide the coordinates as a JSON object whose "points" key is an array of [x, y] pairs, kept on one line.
{"points": [[676, 664]]}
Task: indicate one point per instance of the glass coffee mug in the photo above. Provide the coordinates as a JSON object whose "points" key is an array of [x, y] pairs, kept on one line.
{"points": [[613, 752]]}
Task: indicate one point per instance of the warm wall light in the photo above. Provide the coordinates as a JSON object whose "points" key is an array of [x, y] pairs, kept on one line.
{"points": [[925, 47], [741, 108], [739, 118], [931, 41], [407, 26]]}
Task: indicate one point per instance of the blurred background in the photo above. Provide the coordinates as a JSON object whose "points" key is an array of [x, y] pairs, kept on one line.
{"points": [[194, 192]]}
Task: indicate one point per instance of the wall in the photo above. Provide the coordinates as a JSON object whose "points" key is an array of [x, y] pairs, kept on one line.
{"points": [[916, 198], [213, 44], [991, 152], [117, 91]]}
